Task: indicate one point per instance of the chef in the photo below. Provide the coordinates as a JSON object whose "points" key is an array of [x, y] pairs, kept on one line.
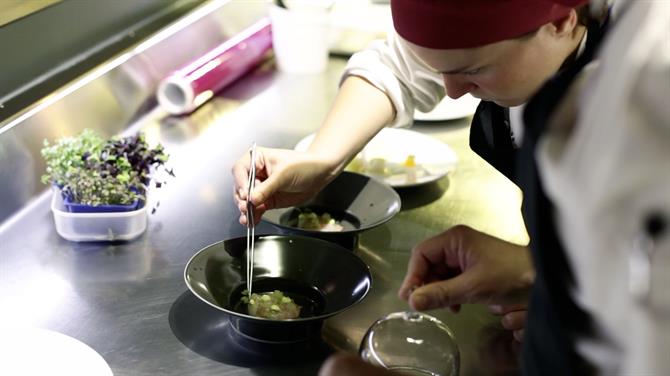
{"points": [[503, 53]]}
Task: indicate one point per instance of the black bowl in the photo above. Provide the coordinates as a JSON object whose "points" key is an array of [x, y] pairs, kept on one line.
{"points": [[320, 276], [357, 201]]}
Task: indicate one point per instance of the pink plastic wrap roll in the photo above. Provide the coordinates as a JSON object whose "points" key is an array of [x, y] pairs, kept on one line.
{"points": [[189, 87]]}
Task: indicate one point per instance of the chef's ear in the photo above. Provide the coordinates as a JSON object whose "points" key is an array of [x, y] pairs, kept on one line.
{"points": [[562, 27]]}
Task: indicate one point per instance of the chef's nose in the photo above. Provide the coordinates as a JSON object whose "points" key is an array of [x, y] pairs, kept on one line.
{"points": [[457, 85]]}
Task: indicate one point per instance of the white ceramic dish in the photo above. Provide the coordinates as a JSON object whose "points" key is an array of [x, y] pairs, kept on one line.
{"points": [[80, 227], [33, 351], [450, 109], [434, 159]]}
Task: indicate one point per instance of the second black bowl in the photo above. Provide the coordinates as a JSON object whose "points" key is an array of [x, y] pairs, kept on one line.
{"points": [[356, 201]]}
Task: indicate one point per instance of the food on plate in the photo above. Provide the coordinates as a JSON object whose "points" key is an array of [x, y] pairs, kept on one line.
{"points": [[308, 220], [271, 305], [410, 161], [408, 170], [356, 165], [377, 166]]}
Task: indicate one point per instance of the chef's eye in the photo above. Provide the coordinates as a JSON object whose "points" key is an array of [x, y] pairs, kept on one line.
{"points": [[472, 72]]}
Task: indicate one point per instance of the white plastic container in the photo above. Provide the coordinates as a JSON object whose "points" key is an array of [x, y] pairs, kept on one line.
{"points": [[80, 227], [300, 36]]}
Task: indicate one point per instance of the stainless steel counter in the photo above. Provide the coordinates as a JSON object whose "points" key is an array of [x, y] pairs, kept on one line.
{"points": [[128, 301]]}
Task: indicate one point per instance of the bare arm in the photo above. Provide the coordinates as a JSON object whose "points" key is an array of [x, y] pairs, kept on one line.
{"points": [[288, 178], [360, 111], [382, 87]]}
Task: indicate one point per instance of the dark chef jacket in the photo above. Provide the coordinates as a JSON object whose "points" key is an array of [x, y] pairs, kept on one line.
{"points": [[554, 319]]}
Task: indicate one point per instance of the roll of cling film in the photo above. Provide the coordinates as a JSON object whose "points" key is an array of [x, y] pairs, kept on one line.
{"points": [[192, 85]]}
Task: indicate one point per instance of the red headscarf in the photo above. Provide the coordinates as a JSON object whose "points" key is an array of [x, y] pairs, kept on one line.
{"points": [[571, 3], [448, 24]]}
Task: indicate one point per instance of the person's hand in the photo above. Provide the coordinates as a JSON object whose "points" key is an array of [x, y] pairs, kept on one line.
{"points": [[283, 178], [351, 365], [513, 317], [462, 265]]}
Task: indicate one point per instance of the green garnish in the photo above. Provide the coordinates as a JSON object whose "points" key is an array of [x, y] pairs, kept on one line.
{"points": [[272, 305]]}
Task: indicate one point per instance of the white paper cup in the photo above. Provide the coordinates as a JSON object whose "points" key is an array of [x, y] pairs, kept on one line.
{"points": [[300, 36]]}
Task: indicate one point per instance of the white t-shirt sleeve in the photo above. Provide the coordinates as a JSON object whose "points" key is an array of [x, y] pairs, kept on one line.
{"points": [[393, 69]]}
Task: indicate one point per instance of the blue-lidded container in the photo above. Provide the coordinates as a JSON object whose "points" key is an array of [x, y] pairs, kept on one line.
{"points": [[75, 207], [98, 226]]}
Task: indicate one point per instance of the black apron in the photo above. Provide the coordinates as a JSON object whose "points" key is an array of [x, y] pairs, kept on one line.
{"points": [[554, 320]]}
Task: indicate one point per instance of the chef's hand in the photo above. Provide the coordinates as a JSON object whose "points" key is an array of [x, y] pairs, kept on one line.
{"points": [[350, 365], [462, 265], [283, 178], [513, 317]]}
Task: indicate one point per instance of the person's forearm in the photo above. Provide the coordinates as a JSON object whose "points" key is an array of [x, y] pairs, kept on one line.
{"points": [[360, 111]]}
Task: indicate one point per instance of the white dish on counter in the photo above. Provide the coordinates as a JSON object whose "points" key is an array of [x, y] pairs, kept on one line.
{"points": [[433, 158], [34, 351], [450, 109]]}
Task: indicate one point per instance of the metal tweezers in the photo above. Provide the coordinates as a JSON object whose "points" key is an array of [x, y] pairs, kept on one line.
{"points": [[250, 219]]}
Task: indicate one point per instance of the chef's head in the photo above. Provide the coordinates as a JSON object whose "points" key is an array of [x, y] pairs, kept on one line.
{"points": [[496, 50]]}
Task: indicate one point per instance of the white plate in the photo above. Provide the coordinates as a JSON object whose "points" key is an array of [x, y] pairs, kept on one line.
{"points": [[33, 351], [434, 159], [450, 109]]}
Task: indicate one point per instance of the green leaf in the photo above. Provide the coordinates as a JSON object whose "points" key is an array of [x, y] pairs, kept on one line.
{"points": [[95, 171]]}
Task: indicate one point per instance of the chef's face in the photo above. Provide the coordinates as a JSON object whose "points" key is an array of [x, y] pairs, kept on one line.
{"points": [[508, 72]]}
